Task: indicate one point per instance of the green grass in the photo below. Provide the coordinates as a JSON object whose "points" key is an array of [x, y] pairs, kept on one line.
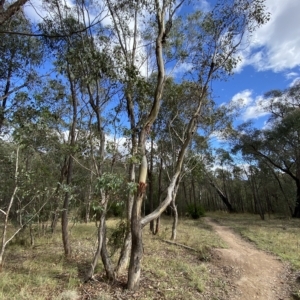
{"points": [[169, 271], [278, 235]]}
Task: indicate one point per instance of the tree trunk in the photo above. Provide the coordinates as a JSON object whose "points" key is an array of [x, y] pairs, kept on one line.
{"points": [[257, 202], [126, 248], [55, 213], [151, 184], [137, 246], [12, 9], [64, 219], [222, 196], [136, 229], [101, 234], [282, 191], [7, 212], [175, 213], [88, 201], [137, 224], [156, 231], [5, 95], [185, 193], [296, 213], [31, 231], [125, 252], [105, 256], [175, 220]]}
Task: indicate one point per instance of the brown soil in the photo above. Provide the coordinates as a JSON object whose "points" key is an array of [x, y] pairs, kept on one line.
{"points": [[247, 272]]}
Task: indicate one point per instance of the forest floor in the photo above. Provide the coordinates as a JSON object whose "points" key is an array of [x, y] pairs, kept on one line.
{"points": [[252, 273], [226, 263], [234, 270]]}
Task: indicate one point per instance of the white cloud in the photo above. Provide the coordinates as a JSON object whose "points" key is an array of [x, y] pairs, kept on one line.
{"points": [[267, 125], [276, 45], [291, 75], [35, 11], [296, 80], [203, 5], [242, 99], [251, 108], [217, 136], [255, 110], [179, 69]]}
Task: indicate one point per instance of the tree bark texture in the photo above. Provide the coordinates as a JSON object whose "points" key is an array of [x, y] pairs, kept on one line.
{"points": [[64, 219], [222, 196], [136, 229], [101, 234], [12, 9], [296, 213], [175, 213], [7, 212]]}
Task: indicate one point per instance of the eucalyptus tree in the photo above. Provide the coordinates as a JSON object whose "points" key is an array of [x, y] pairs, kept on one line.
{"points": [[8, 10], [171, 130], [26, 161], [81, 62], [278, 145], [223, 157], [126, 17], [214, 39], [6, 212], [19, 55]]}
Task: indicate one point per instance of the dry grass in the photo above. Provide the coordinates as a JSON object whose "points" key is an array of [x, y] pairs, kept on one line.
{"points": [[278, 235], [179, 273], [41, 271], [169, 271]]}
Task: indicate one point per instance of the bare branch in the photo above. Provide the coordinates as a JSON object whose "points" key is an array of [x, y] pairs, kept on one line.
{"points": [[10, 11], [80, 164]]}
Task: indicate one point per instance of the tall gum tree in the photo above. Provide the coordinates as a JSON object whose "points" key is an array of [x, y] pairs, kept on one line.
{"points": [[278, 146], [83, 67], [19, 55], [215, 38], [161, 10], [122, 13]]}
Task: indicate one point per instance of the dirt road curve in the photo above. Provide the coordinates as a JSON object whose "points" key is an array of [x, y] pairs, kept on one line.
{"points": [[257, 275]]}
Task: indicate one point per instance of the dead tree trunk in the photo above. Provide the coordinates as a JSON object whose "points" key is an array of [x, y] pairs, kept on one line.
{"points": [[222, 196]]}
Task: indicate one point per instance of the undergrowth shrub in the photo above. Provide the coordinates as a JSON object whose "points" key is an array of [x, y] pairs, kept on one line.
{"points": [[195, 211]]}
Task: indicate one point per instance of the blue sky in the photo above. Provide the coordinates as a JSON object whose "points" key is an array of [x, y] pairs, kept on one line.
{"points": [[272, 61]]}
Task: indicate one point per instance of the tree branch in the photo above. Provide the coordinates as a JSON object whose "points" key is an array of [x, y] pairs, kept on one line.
{"points": [[10, 11]]}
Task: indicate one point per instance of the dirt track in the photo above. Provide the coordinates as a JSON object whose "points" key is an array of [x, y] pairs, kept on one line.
{"points": [[254, 274]]}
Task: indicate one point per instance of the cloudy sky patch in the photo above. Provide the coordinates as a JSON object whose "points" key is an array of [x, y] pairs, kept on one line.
{"points": [[275, 46]]}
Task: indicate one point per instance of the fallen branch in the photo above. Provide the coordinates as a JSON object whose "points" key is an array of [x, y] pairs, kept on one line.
{"points": [[180, 245]]}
